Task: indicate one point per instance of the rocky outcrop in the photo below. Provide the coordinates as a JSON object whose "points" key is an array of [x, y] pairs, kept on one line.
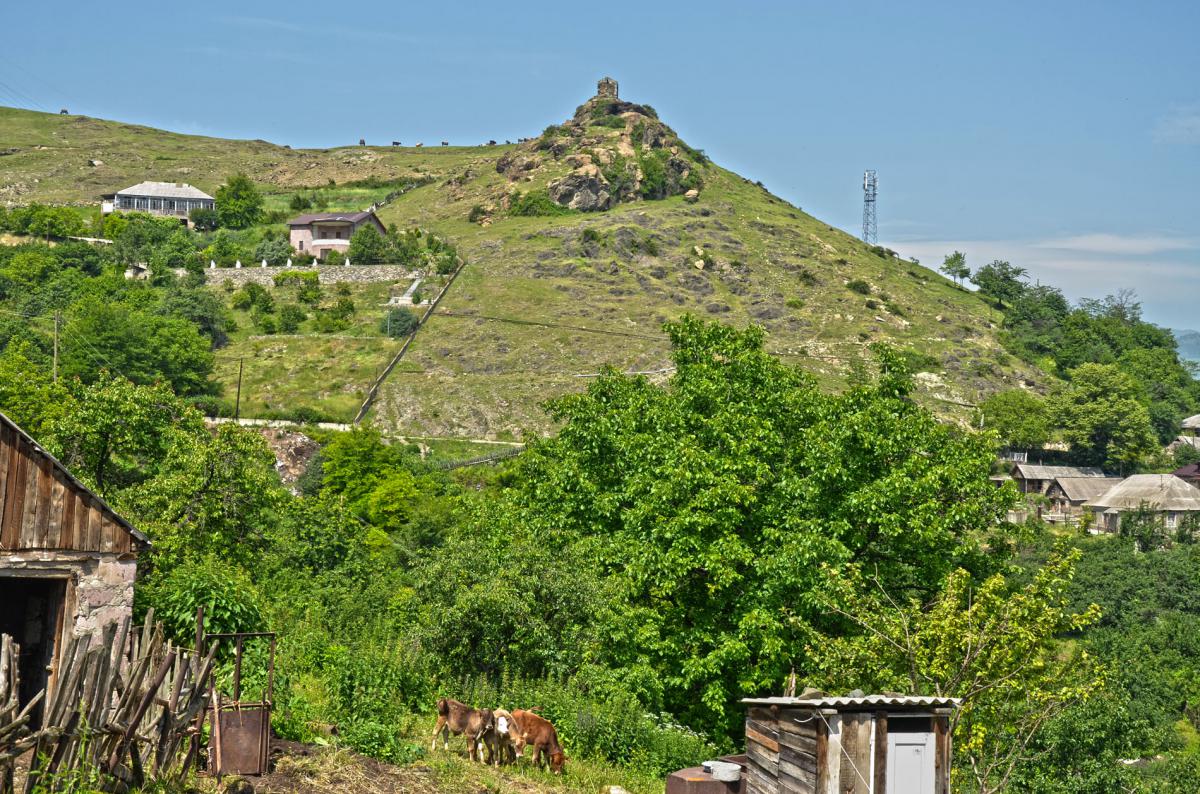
{"points": [[583, 189]]}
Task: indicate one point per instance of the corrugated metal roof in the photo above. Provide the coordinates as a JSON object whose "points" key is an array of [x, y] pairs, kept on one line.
{"points": [[1030, 472], [165, 190], [907, 701], [1159, 491], [345, 217], [1081, 489]]}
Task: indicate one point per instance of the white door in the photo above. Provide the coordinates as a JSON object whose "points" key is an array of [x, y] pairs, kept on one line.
{"points": [[910, 763]]}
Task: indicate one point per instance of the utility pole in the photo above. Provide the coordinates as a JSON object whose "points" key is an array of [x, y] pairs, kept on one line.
{"points": [[57, 320], [237, 406]]}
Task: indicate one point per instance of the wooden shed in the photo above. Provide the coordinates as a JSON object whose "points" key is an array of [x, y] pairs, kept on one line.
{"points": [[872, 744], [67, 560]]}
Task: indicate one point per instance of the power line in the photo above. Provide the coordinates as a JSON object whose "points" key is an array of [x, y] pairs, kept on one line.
{"points": [[22, 96]]}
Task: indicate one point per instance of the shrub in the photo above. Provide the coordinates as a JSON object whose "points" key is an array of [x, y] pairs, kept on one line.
{"points": [[290, 317], [477, 214], [859, 286], [400, 322], [654, 174], [203, 219], [229, 600], [265, 323], [253, 296], [611, 122], [300, 202], [335, 258], [536, 203], [326, 322], [795, 303], [807, 277], [343, 309]]}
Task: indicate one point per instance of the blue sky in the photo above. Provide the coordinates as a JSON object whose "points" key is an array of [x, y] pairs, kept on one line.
{"points": [[1061, 136]]}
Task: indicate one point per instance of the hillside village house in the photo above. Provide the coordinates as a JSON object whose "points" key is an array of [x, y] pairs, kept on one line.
{"points": [[322, 232], [1164, 494], [169, 199], [67, 561], [1038, 479], [1189, 434], [1067, 496]]}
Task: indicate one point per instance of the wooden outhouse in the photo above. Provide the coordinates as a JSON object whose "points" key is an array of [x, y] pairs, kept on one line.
{"points": [[67, 560], [873, 744]]}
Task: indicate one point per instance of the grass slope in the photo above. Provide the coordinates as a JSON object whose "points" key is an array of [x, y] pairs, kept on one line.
{"points": [[604, 282]]}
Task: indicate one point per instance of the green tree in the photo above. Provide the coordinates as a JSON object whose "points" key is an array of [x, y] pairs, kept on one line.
{"points": [[399, 323], [275, 250], [989, 643], [955, 266], [1021, 418], [141, 346], [709, 505], [367, 246], [28, 394], [239, 204], [1103, 418], [204, 219], [118, 433], [1001, 281]]}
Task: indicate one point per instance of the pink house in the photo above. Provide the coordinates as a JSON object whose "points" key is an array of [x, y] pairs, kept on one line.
{"points": [[322, 232]]}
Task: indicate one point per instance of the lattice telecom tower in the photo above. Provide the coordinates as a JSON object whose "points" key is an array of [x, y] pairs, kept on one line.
{"points": [[870, 191]]}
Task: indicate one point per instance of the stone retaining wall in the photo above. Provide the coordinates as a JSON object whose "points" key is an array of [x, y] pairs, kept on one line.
{"points": [[328, 274]]}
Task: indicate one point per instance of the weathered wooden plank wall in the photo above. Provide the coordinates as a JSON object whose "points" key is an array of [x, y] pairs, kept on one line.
{"points": [[42, 507]]}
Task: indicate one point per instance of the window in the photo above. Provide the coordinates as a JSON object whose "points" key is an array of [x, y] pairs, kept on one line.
{"points": [[301, 245]]}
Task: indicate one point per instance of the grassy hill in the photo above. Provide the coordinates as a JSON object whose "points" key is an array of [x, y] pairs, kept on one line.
{"points": [[546, 300]]}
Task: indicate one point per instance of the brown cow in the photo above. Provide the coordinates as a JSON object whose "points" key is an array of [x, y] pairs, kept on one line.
{"points": [[459, 718], [536, 731], [501, 739]]}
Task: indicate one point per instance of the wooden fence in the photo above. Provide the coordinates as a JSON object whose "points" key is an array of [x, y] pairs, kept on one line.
{"points": [[125, 709]]}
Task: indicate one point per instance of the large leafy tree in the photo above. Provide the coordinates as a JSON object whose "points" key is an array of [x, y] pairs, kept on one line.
{"points": [[367, 246], [142, 346], [1020, 418], [1000, 280], [1103, 418], [710, 504], [239, 204]]}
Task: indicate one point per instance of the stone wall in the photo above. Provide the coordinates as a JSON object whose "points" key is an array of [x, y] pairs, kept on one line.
{"points": [[103, 583], [327, 274]]}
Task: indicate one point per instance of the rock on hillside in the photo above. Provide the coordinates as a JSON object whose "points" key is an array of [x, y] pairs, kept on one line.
{"points": [[618, 152]]}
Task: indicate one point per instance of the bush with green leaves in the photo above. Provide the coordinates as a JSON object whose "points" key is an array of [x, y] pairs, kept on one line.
{"points": [[230, 600], [536, 203], [859, 286], [399, 322], [290, 318]]}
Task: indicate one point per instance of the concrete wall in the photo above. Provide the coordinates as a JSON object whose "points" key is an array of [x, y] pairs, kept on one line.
{"points": [[101, 590], [327, 274]]}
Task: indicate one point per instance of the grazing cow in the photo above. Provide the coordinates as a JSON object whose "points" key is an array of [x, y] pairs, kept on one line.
{"points": [[501, 739], [419, 145], [395, 143], [537, 732], [445, 143], [362, 141], [459, 718]]}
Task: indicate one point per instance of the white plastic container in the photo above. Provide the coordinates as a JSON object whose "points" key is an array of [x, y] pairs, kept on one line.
{"points": [[723, 771]]}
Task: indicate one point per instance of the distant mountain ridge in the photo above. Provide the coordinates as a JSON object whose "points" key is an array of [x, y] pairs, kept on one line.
{"points": [[1189, 343]]}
